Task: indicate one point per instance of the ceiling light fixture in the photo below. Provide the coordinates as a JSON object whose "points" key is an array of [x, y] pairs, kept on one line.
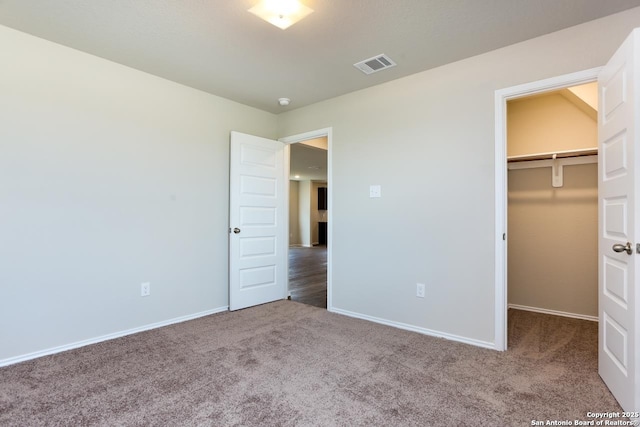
{"points": [[281, 13], [284, 101]]}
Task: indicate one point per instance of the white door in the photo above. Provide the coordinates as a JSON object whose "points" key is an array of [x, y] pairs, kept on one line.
{"points": [[619, 230], [257, 229]]}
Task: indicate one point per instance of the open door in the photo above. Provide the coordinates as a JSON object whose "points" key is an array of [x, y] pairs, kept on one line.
{"points": [[257, 216], [619, 227]]}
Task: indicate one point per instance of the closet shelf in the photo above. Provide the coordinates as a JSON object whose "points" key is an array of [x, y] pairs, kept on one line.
{"points": [[555, 160], [553, 155]]}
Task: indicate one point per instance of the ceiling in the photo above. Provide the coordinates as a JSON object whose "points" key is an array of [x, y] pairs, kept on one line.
{"points": [[218, 47], [308, 163]]}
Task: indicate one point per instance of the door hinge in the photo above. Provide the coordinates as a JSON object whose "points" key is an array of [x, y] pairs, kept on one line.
{"points": [[504, 236], [638, 248]]}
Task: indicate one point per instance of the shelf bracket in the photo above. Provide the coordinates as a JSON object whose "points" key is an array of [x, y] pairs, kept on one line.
{"points": [[556, 172]]}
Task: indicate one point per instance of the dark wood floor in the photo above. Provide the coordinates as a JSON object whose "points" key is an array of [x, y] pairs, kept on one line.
{"points": [[308, 275]]}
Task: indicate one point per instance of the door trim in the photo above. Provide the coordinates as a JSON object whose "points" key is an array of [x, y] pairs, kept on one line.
{"points": [[288, 140], [501, 98]]}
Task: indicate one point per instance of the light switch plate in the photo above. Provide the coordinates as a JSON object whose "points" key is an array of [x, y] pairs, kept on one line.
{"points": [[375, 191]]}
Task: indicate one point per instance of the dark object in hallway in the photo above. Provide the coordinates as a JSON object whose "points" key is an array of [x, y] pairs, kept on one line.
{"points": [[308, 275], [322, 198], [322, 233]]}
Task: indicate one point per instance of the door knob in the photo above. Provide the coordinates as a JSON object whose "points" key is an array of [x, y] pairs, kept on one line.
{"points": [[623, 248], [237, 230]]}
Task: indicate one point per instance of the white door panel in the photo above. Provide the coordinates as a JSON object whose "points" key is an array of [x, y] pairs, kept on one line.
{"points": [[619, 210], [257, 244]]}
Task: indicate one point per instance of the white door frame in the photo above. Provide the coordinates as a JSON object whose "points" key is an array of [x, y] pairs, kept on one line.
{"points": [[501, 98], [304, 137]]}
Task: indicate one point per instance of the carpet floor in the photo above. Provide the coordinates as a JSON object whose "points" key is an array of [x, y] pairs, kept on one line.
{"points": [[289, 364]]}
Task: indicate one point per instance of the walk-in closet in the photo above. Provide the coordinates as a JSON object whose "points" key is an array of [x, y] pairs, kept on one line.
{"points": [[553, 202]]}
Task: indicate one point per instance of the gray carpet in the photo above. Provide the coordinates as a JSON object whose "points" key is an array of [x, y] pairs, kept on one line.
{"points": [[288, 364]]}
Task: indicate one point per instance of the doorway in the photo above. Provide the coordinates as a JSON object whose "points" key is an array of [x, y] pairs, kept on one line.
{"points": [[308, 213], [320, 227], [552, 243], [502, 97]]}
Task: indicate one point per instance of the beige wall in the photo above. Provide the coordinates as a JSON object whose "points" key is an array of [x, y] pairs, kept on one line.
{"points": [[548, 123], [294, 220], [109, 177], [553, 245], [429, 141], [304, 212], [553, 240]]}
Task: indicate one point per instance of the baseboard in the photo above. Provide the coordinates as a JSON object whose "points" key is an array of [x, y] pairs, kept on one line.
{"points": [[77, 344], [412, 328], [554, 312]]}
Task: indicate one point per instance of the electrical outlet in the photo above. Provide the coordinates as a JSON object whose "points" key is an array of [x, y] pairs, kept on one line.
{"points": [[420, 290], [145, 289]]}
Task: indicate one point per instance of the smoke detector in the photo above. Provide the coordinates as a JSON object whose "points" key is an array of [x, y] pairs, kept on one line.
{"points": [[375, 64], [284, 101]]}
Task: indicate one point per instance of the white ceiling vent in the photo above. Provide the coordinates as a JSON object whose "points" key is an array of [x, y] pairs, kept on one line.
{"points": [[375, 64]]}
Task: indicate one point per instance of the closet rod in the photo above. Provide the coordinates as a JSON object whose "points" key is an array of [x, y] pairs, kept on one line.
{"points": [[554, 155]]}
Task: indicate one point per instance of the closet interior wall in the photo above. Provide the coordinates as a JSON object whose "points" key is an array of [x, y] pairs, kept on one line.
{"points": [[552, 232]]}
